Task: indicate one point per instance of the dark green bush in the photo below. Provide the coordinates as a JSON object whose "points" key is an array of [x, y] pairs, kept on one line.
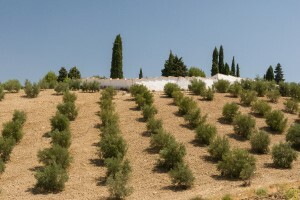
{"points": [[2, 166], [55, 155], [90, 86], [194, 118], [112, 146], [208, 94], [2, 93], [187, 104], [182, 176], [6, 146], [111, 91], [283, 155], [247, 97], [273, 96], [237, 163], [276, 121], [115, 165], [198, 87], [169, 88], [74, 84], [109, 118], [177, 97], [69, 97], [292, 106], [68, 109], [293, 135], [205, 133], [61, 87], [171, 155], [143, 99], [248, 84], [235, 89], [12, 85], [60, 122], [261, 107], [43, 84], [221, 86], [154, 125], [260, 142], [31, 90], [284, 89], [261, 88], [106, 104], [148, 111], [137, 89], [218, 147], [295, 91], [51, 178], [244, 125], [61, 138], [50, 80], [160, 140], [12, 129], [19, 116], [230, 110], [111, 129]]}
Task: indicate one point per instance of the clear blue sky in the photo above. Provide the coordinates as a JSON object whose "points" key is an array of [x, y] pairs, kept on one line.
{"points": [[38, 36]]}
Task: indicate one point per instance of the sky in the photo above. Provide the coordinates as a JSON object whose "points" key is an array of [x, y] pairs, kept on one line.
{"points": [[40, 36]]}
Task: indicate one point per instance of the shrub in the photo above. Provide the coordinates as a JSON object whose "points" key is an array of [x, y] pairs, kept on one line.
{"points": [[291, 106], [182, 176], [198, 87], [69, 97], [117, 185], [222, 86], [187, 104], [208, 94], [194, 118], [12, 129], [261, 107], [292, 194], [111, 129], [169, 88], [114, 165], [154, 125], [260, 142], [160, 140], [205, 133], [177, 97], [137, 89], [2, 166], [261, 88], [109, 118], [247, 97], [68, 109], [293, 135], [112, 146], [171, 155], [235, 89], [244, 125], [94, 86], [226, 197], [12, 85], [61, 138], [284, 89], [194, 71], [276, 121], [60, 122], [6, 146], [261, 192], [51, 178], [143, 99], [237, 164], [43, 84], [295, 91], [107, 104], [230, 110], [218, 147], [248, 84], [2, 94], [61, 88], [111, 91], [19, 116], [51, 79], [283, 155], [148, 111], [273, 96], [55, 155], [74, 84], [31, 90]]}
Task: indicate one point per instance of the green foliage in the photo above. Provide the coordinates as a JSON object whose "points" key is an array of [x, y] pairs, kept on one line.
{"points": [[55, 155], [230, 110], [278, 73], [292, 194], [235, 89], [261, 107], [148, 111], [283, 155], [260, 142], [74, 84], [69, 97], [247, 97], [116, 70], [12, 129], [218, 147], [227, 69], [6, 147], [2, 93], [208, 94], [244, 125], [182, 176], [194, 117], [143, 99], [60, 122], [205, 133], [90, 86], [31, 90], [237, 70], [273, 96], [177, 97], [51, 178], [68, 109], [295, 91], [186, 105], [62, 74], [232, 71], [227, 197], [138, 89], [198, 87], [248, 84], [50, 80], [2, 166], [292, 106], [270, 74], [74, 73], [114, 165], [293, 135], [19, 116], [154, 125], [160, 140], [284, 89], [194, 71], [171, 155], [261, 192], [261, 88], [221, 86], [13, 85], [237, 164], [221, 61], [169, 88], [61, 88], [61, 138], [111, 129], [215, 62], [109, 118], [276, 121], [174, 66], [112, 146]]}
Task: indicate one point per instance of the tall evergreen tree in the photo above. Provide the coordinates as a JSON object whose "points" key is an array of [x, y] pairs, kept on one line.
{"points": [[227, 69], [215, 62], [278, 73], [270, 74], [233, 67], [74, 73], [221, 61], [62, 74], [237, 70], [141, 73], [174, 66], [116, 70]]}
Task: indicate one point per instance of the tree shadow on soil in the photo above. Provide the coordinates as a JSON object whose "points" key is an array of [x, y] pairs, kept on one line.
{"points": [[267, 129], [140, 119], [256, 115], [195, 143], [134, 109], [209, 159], [151, 150], [174, 188], [101, 181], [218, 177], [146, 134], [222, 120], [160, 169], [237, 137], [187, 126], [97, 162]]}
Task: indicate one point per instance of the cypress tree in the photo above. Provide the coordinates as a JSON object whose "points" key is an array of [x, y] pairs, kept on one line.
{"points": [[278, 73], [116, 70], [62, 74], [215, 62], [237, 70], [221, 61], [141, 73], [233, 67], [227, 70], [174, 66], [74, 73], [270, 74]]}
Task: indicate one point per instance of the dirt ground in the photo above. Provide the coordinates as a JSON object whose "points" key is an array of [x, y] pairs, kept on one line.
{"points": [[86, 170]]}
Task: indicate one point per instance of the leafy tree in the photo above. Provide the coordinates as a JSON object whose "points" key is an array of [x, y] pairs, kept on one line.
{"points": [[116, 70], [233, 67], [278, 73], [270, 74], [51, 79], [221, 61], [74, 73], [62, 74], [227, 69], [237, 70], [174, 66], [141, 73], [215, 62], [194, 71]]}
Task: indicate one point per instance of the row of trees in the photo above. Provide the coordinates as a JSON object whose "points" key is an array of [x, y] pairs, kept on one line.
{"points": [[278, 77]]}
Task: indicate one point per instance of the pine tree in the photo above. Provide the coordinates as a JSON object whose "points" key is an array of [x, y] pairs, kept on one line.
{"points": [[74, 73], [215, 62], [237, 70], [174, 66], [221, 61], [141, 73], [227, 70], [278, 73], [116, 70], [233, 67], [62, 74], [270, 74]]}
